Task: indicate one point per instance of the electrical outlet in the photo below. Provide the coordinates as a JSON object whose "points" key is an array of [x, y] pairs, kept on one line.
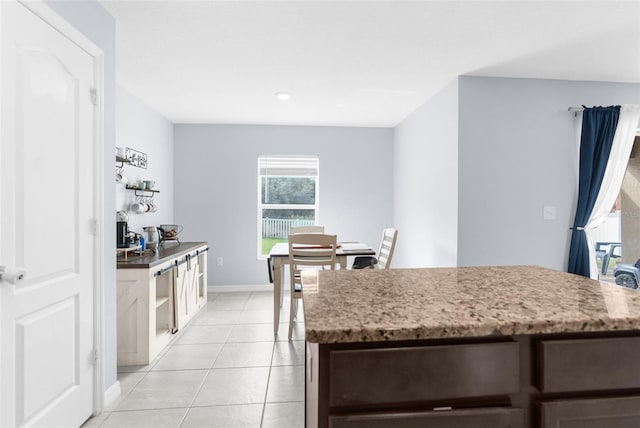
{"points": [[549, 213], [219, 261]]}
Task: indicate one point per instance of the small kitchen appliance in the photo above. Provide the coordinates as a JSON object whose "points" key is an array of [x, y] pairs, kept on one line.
{"points": [[152, 236], [122, 234]]}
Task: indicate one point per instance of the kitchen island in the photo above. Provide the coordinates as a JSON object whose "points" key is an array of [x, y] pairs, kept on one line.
{"points": [[518, 346], [158, 293]]}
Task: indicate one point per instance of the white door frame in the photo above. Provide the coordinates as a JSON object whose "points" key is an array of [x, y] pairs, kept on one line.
{"points": [[42, 10]]}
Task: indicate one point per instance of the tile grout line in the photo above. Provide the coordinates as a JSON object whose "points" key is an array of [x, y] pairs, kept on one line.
{"points": [[233, 326], [266, 392], [184, 417], [193, 400]]}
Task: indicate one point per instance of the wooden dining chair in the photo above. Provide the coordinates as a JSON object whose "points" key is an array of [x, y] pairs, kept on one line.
{"points": [[307, 229], [385, 253], [308, 251]]}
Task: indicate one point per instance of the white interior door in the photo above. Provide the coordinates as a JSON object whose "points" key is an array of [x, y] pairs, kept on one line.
{"points": [[47, 217]]}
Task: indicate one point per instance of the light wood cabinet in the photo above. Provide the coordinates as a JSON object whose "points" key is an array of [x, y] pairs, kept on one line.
{"points": [[156, 296], [191, 287]]}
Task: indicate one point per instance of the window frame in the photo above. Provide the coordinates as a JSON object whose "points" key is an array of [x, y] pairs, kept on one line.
{"points": [[261, 206]]}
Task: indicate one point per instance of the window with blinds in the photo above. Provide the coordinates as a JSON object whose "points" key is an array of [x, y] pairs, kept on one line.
{"points": [[287, 197]]}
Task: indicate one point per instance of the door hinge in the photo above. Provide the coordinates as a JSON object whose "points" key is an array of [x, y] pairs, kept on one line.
{"points": [[95, 357], [94, 227], [94, 96]]}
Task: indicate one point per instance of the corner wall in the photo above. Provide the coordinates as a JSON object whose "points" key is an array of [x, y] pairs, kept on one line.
{"points": [[425, 183], [518, 151], [140, 128], [216, 187]]}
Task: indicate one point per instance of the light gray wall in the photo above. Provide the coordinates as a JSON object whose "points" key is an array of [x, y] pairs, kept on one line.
{"points": [[140, 128], [216, 187], [426, 183], [89, 17], [518, 151]]}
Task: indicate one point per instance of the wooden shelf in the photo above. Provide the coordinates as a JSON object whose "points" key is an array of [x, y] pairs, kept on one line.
{"points": [[142, 190]]}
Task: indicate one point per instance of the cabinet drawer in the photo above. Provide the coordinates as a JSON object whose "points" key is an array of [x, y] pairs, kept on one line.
{"points": [[396, 375], [622, 412], [464, 418], [589, 364]]}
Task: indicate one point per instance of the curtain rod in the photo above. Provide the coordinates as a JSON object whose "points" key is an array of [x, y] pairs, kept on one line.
{"points": [[575, 110]]}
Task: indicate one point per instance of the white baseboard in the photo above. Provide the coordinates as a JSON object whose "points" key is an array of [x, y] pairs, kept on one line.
{"points": [[236, 288], [111, 395]]}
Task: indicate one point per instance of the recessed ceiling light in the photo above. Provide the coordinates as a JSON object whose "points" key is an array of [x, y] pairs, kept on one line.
{"points": [[283, 96]]}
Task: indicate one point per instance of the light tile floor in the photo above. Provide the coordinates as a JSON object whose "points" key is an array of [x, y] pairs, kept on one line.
{"points": [[224, 369]]}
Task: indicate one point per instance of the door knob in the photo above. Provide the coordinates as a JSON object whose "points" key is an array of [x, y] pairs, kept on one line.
{"points": [[12, 275]]}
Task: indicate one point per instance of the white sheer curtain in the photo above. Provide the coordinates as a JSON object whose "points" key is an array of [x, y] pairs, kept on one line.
{"points": [[628, 124]]}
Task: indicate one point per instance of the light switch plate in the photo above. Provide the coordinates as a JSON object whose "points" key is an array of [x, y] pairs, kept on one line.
{"points": [[549, 212]]}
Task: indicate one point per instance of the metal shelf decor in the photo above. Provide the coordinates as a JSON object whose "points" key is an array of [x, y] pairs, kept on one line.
{"points": [[143, 192]]}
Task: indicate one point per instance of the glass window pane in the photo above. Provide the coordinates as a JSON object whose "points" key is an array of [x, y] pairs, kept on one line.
{"points": [[268, 243], [276, 225], [289, 190], [285, 182]]}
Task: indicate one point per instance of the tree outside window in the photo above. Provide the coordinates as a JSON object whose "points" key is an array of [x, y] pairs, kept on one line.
{"points": [[288, 197]]}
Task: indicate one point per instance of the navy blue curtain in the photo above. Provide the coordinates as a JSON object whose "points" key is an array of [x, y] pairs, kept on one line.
{"points": [[598, 128]]}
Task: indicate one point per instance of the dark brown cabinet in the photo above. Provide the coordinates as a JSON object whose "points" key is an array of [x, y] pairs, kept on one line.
{"points": [[577, 380], [619, 412], [589, 364], [465, 418], [404, 374]]}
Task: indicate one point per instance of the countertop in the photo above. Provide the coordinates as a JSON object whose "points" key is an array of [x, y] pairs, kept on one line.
{"points": [[167, 251], [409, 304]]}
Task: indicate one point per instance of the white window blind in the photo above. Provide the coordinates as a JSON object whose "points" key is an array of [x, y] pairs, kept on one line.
{"points": [[288, 166]]}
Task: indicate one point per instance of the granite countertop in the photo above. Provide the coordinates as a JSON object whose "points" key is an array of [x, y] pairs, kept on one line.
{"points": [[408, 304], [149, 259]]}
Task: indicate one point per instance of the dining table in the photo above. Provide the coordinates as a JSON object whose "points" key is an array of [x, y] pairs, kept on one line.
{"points": [[279, 257]]}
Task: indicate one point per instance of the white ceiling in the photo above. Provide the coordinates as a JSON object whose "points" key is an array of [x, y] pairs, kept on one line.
{"points": [[355, 63]]}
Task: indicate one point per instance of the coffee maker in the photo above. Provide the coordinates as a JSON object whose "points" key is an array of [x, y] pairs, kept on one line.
{"points": [[122, 234], [122, 230]]}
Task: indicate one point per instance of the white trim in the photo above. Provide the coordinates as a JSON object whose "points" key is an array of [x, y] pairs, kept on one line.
{"points": [[112, 394], [42, 10], [98, 291], [238, 288], [1, 115]]}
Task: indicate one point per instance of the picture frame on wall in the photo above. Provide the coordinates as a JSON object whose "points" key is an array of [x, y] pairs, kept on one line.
{"points": [[136, 158]]}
